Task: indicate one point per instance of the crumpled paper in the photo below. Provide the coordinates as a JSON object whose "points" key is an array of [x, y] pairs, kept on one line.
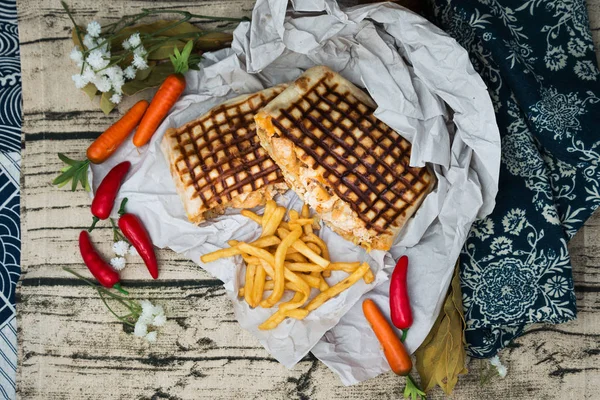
{"points": [[425, 88]]}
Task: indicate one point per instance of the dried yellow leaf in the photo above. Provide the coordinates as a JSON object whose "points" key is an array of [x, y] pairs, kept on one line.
{"points": [[441, 357]]}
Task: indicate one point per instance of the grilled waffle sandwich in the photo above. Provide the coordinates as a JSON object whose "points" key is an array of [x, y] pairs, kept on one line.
{"points": [[351, 168], [216, 161]]}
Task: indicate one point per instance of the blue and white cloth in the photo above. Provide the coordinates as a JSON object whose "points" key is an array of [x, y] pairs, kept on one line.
{"points": [[10, 161], [537, 59]]}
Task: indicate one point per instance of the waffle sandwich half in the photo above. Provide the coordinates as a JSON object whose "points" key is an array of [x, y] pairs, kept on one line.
{"points": [[216, 161], [351, 168]]}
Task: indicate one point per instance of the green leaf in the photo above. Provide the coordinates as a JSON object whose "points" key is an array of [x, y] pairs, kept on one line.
{"points": [[144, 73], [165, 50], [213, 41], [441, 357], [180, 29], [67, 160], [76, 172], [75, 39], [180, 60], [156, 77], [105, 104], [90, 90], [412, 390]]}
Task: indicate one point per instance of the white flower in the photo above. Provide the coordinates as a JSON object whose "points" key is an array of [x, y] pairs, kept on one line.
{"points": [[495, 361], [141, 329], [79, 80], [129, 72], [134, 40], [147, 308], [151, 336], [117, 84], [76, 55], [159, 320], [89, 42], [113, 72], [586, 70], [89, 74], [115, 98], [158, 310], [94, 29], [140, 51], [96, 60], [139, 62], [126, 44], [120, 248], [133, 252], [502, 371], [118, 263], [103, 84]]}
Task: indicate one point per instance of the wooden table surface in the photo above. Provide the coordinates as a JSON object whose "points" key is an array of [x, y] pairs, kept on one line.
{"points": [[70, 347]]}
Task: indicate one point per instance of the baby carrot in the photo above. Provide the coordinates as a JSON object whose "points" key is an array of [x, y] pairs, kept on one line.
{"points": [[111, 139], [166, 96], [395, 353]]}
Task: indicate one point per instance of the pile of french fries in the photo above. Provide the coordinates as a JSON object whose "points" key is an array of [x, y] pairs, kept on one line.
{"points": [[288, 256]]}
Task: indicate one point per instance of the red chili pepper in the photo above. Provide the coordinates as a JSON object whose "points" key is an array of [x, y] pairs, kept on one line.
{"points": [[106, 194], [105, 275], [399, 301], [134, 231]]}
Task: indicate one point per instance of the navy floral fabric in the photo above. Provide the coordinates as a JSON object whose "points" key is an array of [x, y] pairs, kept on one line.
{"points": [[537, 59], [10, 159]]}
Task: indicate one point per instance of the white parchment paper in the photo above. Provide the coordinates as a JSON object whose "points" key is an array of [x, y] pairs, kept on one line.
{"points": [[425, 88]]}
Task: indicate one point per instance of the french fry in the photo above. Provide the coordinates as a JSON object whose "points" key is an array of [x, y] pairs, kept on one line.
{"points": [[262, 242], [338, 287], [234, 251], [323, 285], [294, 282], [306, 214], [312, 281], [280, 267], [368, 277], [293, 215], [241, 292], [312, 238], [251, 259], [303, 221], [303, 267], [259, 284], [344, 266], [295, 257], [222, 253], [269, 208], [270, 226], [304, 249], [297, 302], [314, 248], [279, 316], [252, 216], [249, 285], [257, 252]]}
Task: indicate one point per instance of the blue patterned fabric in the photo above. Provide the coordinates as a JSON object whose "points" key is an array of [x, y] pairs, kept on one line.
{"points": [[10, 160], [537, 59]]}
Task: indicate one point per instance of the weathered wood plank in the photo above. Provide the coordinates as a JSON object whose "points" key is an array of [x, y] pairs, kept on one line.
{"points": [[70, 347]]}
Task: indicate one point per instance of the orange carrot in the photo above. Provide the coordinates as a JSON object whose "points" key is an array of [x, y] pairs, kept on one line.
{"points": [[395, 353], [165, 98], [111, 139]]}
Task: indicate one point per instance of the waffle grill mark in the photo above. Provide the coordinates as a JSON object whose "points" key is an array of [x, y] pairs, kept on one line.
{"points": [[403, 189], [237, 152]]}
